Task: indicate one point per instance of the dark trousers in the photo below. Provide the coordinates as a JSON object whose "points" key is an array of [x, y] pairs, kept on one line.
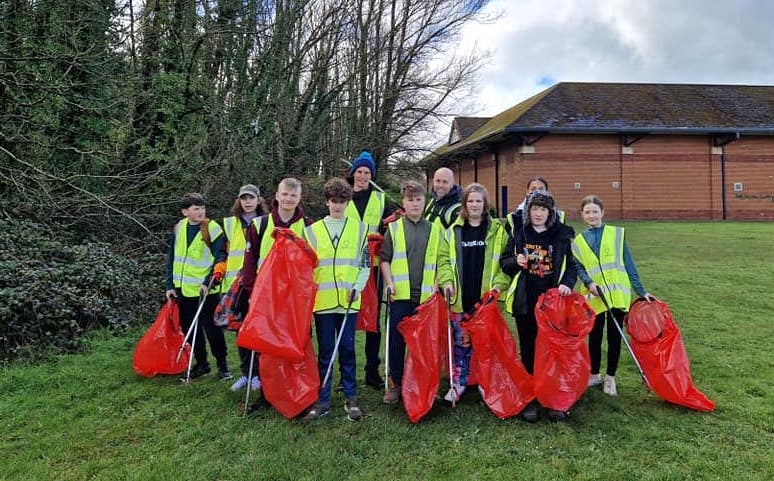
{"points": [[613, 341], [397, 347], [205, 327], [244, 362], [327, 327], [526, 326], [373, 340]]}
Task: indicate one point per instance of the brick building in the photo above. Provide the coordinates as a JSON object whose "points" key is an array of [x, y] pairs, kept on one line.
{"points": [[650, 151]]}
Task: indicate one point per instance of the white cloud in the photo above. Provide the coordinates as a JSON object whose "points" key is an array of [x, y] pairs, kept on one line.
{"points": [[536, 43]]}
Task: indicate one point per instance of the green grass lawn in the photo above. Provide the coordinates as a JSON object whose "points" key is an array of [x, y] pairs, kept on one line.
{"points": [[89, 416]]}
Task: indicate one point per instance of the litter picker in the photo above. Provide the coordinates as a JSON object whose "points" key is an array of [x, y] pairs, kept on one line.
{"points": [[452, 394], [352, 296], [249, 381], [193, 329], [623, 336]]}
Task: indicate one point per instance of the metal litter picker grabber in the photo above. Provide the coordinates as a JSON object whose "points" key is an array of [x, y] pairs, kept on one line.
{"points": [[623, 336], [193, 329]]}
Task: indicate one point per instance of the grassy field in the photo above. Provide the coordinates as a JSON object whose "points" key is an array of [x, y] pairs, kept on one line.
{"points": [[90, 417]]}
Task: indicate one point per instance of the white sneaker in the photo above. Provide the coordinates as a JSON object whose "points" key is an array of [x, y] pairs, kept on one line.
{"points": [[454, 394], [239, 383], [255, 383], [595, 380], [609, 387]]}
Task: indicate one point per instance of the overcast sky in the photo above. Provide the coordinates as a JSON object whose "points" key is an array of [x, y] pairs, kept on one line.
{"points": [[536, 43]]}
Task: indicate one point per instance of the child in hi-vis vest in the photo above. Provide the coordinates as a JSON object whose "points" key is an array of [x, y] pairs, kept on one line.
{"points": [[607, 266]]}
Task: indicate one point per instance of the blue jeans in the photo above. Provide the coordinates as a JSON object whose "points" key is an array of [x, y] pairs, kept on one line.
{"points": [[327, 327], [397, 347]]}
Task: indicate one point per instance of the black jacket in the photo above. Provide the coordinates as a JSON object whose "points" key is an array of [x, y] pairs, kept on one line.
{"points": [[562, 236]]}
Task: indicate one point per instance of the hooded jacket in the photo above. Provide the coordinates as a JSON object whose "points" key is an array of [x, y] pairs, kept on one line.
{"points": [[446, 209]]}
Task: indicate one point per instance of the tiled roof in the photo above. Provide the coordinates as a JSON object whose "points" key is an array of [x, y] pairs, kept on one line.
{"points": [[465, 126], [574, 107]]}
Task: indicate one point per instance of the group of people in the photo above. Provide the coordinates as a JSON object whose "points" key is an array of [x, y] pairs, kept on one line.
{"points": [[451, 244]]}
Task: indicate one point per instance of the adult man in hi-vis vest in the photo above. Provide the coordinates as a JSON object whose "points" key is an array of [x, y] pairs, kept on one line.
{"points": [[369, 207], [409, 258], [445, 199]]}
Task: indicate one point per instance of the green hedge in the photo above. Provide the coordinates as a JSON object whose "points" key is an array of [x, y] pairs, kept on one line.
{"points": [[54, 288]]}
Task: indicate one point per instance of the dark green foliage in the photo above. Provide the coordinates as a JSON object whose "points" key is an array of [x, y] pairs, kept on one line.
{"points": [[54, 288]]}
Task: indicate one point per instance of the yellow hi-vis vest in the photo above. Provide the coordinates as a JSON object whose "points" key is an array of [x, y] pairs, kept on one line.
{"points": [[237, 244], [337, 266], [607, 271], [372, 215], [192, 263], [267, 241], [512, 289], [496, 238], [444, 216], [399, 265]]}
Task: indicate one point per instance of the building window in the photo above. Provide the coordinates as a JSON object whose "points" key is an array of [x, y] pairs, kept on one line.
{"points": [[738, 187]]}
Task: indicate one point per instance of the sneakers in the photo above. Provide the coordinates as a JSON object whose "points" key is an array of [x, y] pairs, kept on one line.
{"points": [[609, 387], [595, 380], [353, 410], [239, 383], [317, 411], [198, 370], [455, 394], [373, 379], [392, 396], [557, 416], [224, 373], [530, 413]]}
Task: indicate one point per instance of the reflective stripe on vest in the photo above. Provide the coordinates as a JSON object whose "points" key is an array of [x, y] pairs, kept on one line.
{"points": [[267, 241], [237, 244], [372, 215], [399, 265], [192, 263], [337, 267], [607, 271], [444, 216]]}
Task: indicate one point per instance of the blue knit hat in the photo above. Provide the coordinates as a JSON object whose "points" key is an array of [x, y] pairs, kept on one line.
{"points": [[363, 159]]}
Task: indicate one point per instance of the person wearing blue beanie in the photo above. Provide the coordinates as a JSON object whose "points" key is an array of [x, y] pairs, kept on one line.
{"points": [[369, 207], [364, 159]]}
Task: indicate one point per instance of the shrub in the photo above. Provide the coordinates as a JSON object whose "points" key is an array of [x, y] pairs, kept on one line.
{"points": [[53, 289]]}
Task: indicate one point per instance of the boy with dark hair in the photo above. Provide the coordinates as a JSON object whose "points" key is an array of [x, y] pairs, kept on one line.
{"points": [[409, 257], [341, 274], [195, 265]]}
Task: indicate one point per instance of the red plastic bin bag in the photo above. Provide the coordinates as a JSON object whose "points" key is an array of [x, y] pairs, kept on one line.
{"points": [[505, 385], [562, 363], [156, 352], [425, 335], [368, 316], [290, 386], [658, 345], [281, 304]]}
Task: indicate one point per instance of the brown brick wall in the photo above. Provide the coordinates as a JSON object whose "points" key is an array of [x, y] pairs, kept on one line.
{"points": [[666, 177]]}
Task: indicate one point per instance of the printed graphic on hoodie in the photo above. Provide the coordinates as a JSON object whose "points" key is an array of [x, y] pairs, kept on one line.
{"points": [[540, 260]]}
